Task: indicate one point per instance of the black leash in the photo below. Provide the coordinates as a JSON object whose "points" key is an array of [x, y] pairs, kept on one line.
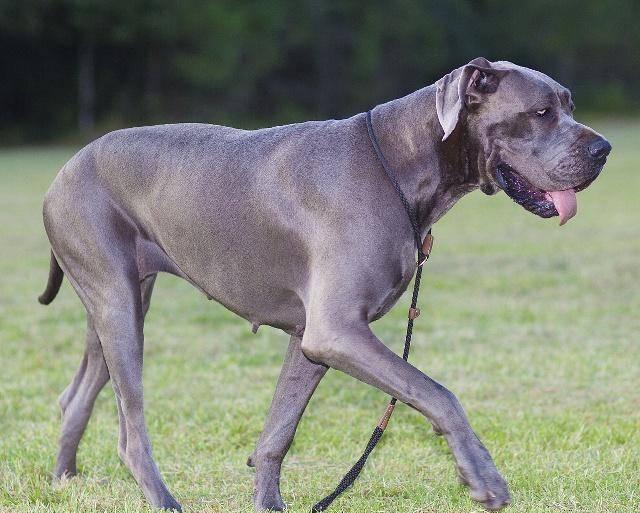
{"points": [[424, 248]]}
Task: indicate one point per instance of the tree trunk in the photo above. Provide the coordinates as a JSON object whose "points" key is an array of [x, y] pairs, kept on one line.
{"points": [[86, 85], [332, 48]]}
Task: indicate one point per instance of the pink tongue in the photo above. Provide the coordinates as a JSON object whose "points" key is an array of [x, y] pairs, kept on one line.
{"points": [[565, 203]]}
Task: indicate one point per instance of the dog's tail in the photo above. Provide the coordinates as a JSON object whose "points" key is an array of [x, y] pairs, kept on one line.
{"points": [[53, 285]]}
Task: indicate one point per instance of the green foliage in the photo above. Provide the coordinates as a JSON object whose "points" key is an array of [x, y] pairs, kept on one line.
{"points": [[265, 62]]}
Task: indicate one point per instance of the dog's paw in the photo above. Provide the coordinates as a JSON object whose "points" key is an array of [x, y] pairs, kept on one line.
{"points": [[492, 500], [477, 471], [266, 492], [64, 470], [487, 487], [493, 497], [168, 503], [269, 502]]}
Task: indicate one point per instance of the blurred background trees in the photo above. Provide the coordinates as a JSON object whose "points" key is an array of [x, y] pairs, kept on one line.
{"points": [[73, 67]]}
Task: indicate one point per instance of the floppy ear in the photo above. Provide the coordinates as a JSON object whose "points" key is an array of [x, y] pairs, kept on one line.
{"points": [[464, 88]]}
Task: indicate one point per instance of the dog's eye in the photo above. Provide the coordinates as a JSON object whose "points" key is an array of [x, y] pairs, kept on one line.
{"points": [[542, 113]]}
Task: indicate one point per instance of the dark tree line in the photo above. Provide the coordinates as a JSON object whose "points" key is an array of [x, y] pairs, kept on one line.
{"points": [[85, 66]]}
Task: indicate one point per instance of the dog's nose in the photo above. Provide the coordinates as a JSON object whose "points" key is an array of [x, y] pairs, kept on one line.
{"points": [[600, 148]]}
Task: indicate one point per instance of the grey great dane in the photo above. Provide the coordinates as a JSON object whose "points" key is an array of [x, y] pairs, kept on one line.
{"points": [[299, 228]]}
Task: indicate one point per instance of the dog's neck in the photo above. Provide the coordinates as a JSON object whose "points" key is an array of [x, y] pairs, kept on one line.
{"points": [[433, 174]]}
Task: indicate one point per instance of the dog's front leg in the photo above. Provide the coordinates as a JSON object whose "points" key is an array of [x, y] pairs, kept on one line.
{"points": [[351, 347], [298, 380]]}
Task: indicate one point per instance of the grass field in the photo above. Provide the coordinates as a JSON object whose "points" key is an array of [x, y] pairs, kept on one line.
{"points": [[533, 326]]}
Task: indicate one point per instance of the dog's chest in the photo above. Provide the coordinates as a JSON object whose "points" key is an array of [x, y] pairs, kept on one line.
{"points": [[388, 296]]}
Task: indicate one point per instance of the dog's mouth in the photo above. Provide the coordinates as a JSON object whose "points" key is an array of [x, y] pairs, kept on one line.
{"points": [[542, 203]]}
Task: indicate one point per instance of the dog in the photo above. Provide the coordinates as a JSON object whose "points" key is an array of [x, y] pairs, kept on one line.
{"points": [[297, 227]]}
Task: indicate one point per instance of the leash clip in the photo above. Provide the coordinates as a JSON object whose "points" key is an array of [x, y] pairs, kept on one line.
{"points": [[425, 251], [384, 420]]}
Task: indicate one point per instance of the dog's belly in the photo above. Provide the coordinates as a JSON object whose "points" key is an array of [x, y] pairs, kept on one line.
{"points": [[262, 291], [257, 272], [257, 297]]}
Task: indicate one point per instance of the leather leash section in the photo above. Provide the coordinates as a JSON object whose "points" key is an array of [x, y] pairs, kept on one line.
{"points": [[424, 250]]}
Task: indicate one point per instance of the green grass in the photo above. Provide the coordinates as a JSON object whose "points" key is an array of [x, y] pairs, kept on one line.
{"points": [[533, 326]]}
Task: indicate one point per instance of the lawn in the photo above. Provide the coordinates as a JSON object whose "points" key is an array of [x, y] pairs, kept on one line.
{"points": [[533, 326]]}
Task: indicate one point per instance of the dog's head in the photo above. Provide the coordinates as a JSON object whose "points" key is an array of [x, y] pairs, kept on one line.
{"points": [[519, 124]]}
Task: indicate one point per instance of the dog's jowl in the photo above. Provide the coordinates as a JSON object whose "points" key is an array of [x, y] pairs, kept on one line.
{"points": [[267, 222]]}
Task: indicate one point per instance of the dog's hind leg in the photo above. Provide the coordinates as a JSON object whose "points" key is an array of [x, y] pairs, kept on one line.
{"points": [[119, 324], [76, 403], [95, 242], [146, 289], [298, 380]]}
